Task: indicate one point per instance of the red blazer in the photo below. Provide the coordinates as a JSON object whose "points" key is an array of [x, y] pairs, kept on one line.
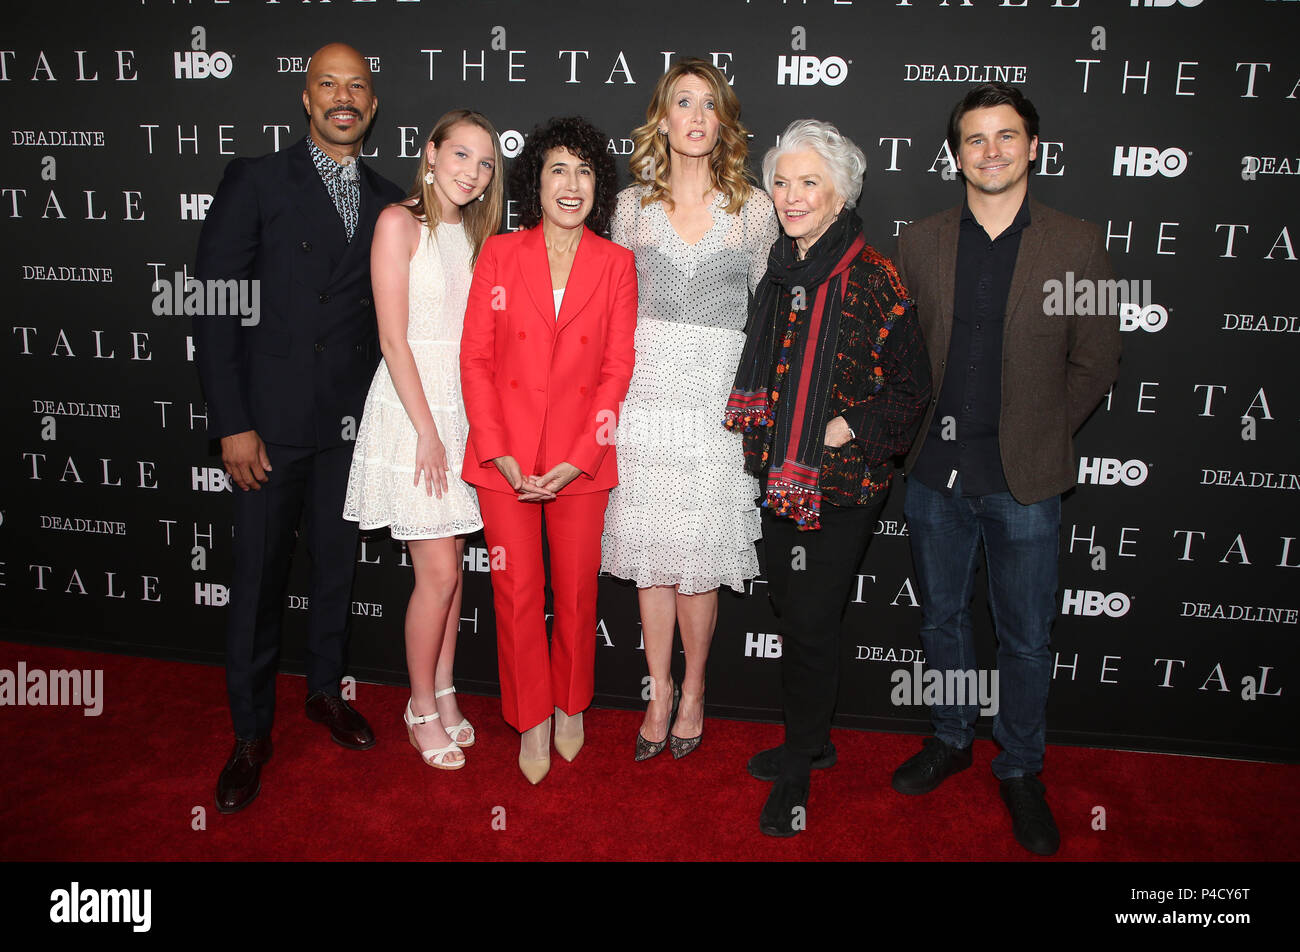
{"points": [[541, 389]]}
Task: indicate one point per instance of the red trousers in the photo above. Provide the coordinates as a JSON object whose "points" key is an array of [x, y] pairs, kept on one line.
{"points": [[533, 679]]}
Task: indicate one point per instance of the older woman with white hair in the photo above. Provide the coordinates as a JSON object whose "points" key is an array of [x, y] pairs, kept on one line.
{"points": [[831, 386]]}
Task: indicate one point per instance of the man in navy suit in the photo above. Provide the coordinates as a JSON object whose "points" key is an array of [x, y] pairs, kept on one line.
{"points": [[284, 393]]}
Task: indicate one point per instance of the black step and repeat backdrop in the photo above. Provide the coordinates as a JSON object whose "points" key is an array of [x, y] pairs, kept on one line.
{"points": [[1170, 123]]}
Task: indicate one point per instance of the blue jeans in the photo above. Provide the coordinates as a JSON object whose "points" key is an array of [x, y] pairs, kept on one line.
{"points": [[1020, 544]]}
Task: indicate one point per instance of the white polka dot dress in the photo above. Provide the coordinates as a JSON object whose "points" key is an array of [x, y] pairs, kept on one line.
{"points": [[683, 511], [381, 490]]}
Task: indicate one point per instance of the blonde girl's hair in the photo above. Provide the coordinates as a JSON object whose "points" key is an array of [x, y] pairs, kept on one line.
{"points": [[482, 218]]}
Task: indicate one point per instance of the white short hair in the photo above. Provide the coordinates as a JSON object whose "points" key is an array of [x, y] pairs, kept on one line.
{"points": [[844, 160]]}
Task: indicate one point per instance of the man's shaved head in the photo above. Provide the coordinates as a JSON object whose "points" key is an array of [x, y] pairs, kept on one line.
{"points": [[335, 56], [340, 99]]}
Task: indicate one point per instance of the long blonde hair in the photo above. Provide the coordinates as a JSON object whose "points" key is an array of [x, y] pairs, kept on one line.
{"points": [[482, 218], [652, 159]]}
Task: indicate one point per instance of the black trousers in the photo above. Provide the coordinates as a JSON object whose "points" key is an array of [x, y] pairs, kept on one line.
{"points": [[810, 576], [306, 485]]}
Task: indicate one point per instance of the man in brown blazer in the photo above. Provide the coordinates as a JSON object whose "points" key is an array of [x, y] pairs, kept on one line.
{"points": [[1016, 371]]}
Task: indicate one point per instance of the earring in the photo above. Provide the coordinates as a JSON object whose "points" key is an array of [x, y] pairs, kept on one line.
{"points": [[482, 196], [663, 132], [428, 176]]}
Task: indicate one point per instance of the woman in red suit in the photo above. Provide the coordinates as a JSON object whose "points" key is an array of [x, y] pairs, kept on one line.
{"points": [[546, 356]]}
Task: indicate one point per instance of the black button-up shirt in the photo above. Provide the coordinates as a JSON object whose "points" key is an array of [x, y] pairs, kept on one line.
{"points": [[963, 436]]}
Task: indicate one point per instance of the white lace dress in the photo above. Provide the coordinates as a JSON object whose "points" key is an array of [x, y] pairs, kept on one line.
{"points": [[380, 489], [683, 511]]}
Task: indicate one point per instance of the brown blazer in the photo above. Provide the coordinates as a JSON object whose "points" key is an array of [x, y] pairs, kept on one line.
{"points": [[1055, 368]]}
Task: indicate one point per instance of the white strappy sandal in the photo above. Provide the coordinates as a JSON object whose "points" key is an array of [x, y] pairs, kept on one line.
{"points": [[464, 724], [434, 756]]}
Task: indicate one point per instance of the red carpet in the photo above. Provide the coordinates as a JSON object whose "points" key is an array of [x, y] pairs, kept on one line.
{"points": [[125, 785]]}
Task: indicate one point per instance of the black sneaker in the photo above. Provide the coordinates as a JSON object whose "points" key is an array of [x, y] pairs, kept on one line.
{"points": [[1031, 817], [923, 772], [786, 811], [766, 764]]}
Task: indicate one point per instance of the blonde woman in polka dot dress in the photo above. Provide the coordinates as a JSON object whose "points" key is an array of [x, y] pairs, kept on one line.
{"points": [[682, 520]]}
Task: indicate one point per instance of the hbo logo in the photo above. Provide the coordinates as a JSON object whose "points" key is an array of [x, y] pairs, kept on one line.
{"points": [[1151, 318], [1144, 161], [211, 593], [198, 64], [210, 479], [809, 70], [1108, 472], [761, 644], [1079, 602]]}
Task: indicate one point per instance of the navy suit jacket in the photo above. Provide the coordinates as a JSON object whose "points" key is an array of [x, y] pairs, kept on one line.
{"points": [[307, 363]]}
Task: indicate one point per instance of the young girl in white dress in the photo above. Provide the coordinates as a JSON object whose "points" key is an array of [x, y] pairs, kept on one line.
{"points": [[682, 520], [410, 447]]}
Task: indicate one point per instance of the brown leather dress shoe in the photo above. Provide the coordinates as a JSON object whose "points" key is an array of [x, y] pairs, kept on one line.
{"points": [[240, 779], [347, 726]]}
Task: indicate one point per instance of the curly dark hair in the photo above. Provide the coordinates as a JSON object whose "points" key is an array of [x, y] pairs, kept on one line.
{"points": [[586, 142]]}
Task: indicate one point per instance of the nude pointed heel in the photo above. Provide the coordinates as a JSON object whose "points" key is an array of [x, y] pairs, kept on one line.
{"points": [[569, 745], [536, 768]]}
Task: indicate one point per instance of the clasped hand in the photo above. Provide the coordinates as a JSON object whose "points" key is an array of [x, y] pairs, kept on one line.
{"points": [[535, 488]]}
